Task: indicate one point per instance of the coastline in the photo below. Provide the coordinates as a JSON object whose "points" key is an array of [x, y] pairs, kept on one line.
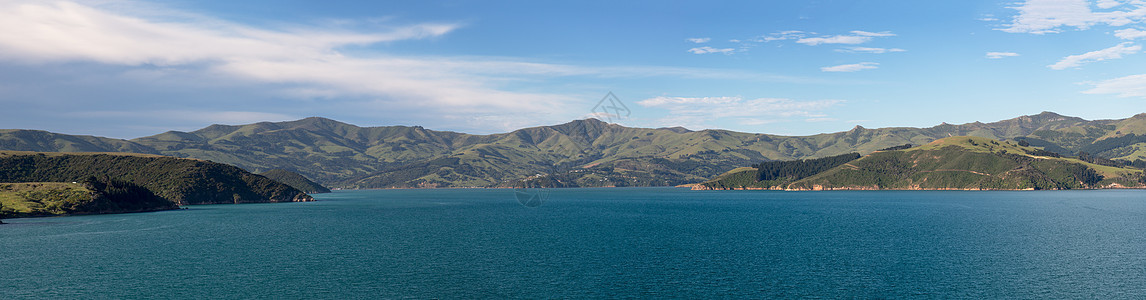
{"points": [[30, 216], [698, 187]]}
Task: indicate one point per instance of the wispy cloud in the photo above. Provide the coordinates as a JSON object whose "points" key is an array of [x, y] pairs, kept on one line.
{"points": [[1130, 34], [856, 37], [851, 67], [1108, 4], [814, 39], [707, 50], [1051, 16], [998, 55], [699, 112], [302, 61], [699, 40], [52, 31], [780, 36], [1115, 52], [1128, 86], [869, 50]]}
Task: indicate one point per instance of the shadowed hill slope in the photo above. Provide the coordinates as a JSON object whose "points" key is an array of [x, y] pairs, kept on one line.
{"points": [[295, 180], [181, 181]]}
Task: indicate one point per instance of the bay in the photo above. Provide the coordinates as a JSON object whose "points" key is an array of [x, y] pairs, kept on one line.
{"points": [[603, 243]]}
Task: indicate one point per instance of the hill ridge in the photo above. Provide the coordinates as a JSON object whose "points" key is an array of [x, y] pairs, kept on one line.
{"points": [[953, 163], [345, 155]]}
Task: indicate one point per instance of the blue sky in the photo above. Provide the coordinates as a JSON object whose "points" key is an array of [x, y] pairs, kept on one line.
{"points": [[127, 69]]}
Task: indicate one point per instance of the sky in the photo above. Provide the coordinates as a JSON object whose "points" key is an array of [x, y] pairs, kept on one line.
{"points": [[133, 68]]}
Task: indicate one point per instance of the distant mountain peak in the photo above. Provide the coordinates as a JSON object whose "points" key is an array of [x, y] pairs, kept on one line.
{"points": [[314, 122], [590, 127], [588, 121], [677, 129]]}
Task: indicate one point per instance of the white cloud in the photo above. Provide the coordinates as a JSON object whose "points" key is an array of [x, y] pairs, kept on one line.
{"points": [[1129, 34], [303, 61], [1129, 86], [998, 55], [52, 31], [699, 40], [699, 111], [1115, 52], [780, 36], [856, 37], [1049, 16], [869, 50], [707, 50], [1108, 4], [873, 34], [851, 67]]}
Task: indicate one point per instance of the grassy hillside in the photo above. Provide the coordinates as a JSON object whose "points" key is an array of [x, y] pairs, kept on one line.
{"points": [[180, 181], [43, 141], [776, 174], [738, 178], [578, 153], [295, 180], [93, 196], [969, 163]]}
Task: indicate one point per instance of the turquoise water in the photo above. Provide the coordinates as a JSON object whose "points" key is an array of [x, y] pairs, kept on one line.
{"points": [[615, 243]]}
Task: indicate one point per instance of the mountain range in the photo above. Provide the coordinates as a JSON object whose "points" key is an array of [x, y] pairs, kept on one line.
{"points": [[579, 153]]}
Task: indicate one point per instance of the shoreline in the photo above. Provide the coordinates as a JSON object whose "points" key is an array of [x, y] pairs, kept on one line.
{"points": [[87, 214], [700, 188]]}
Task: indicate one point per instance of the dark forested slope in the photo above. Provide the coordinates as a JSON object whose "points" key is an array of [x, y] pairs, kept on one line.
{"points": [[180, 181], [295, 180]]}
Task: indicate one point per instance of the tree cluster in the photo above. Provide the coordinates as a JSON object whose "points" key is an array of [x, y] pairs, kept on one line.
{"points": [[900, 147], [1040, 152], [1090, 158], [183, 181], [1108, 144], [797, 169]]}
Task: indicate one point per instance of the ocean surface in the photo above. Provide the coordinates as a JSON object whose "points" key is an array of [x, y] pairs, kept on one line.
{"points": [[596, 243]]}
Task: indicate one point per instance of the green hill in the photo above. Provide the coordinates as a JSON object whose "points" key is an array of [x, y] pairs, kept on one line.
{"points": [[92, 196], [43, 141], [579, 153], [970, 163], [966, 163], [179, 181], [775, 174], [295, 180]]}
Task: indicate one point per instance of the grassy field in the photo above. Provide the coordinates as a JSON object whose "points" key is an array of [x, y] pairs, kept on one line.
{"points": [[39, 198]]}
